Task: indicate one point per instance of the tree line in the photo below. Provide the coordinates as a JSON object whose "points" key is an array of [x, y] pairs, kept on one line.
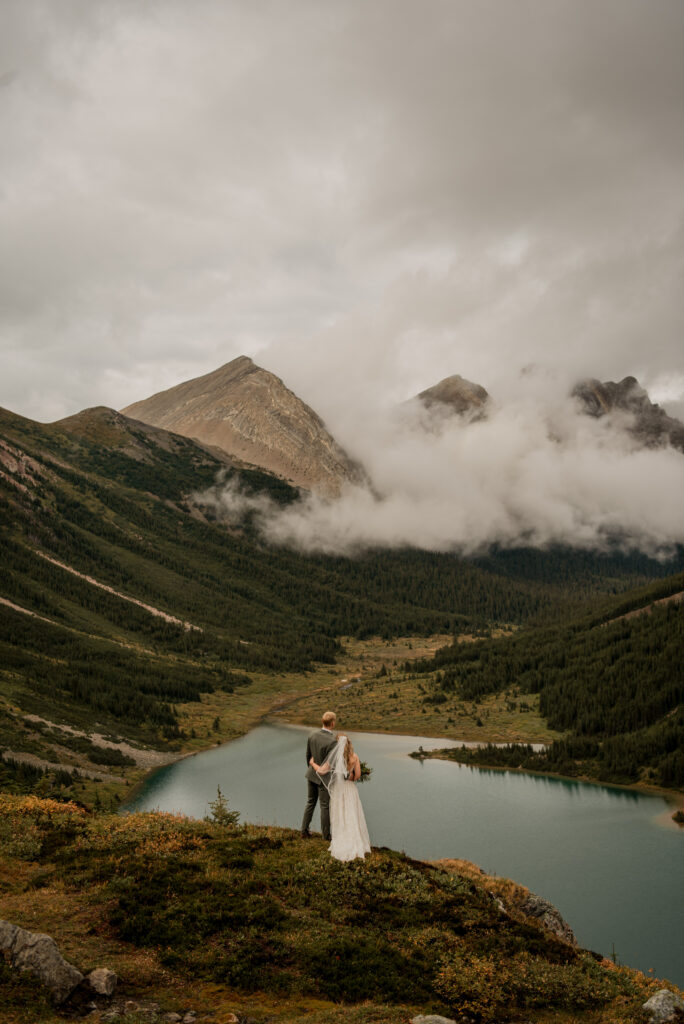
{"points": [[616, 687]]}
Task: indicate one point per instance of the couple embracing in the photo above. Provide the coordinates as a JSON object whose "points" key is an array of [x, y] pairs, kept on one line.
{"points": [[332, 771]]}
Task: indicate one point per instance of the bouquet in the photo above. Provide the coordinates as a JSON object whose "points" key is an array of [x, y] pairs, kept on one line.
{"points": [[366, 773]]}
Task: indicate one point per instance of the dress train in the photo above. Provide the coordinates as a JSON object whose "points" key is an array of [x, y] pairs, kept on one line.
{"points": [[350, 837]]}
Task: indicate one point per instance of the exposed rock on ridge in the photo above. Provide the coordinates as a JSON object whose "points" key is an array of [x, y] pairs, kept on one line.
{"points": [[648, 424], [651, 424], [514, 900], [250, 414], [549, 916]]}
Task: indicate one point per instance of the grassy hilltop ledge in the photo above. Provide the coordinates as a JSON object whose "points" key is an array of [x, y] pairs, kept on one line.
{"points": [[257, 922]]}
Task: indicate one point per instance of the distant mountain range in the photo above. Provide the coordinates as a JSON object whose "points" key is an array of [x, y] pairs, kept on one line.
{"points": [[247, 414], [626, 402]]}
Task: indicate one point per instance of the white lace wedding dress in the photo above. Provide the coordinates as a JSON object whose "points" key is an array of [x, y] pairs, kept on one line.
{"points": [[348, 827]]}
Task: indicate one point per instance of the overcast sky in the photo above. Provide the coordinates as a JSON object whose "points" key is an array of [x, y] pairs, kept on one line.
{"points": [[364, 195]]}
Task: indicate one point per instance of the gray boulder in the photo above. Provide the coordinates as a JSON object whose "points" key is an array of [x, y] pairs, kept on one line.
{"points": [[665, 1006], [549, 917], [102, 981], [7, 934], [431, 1018], [37, 953]]}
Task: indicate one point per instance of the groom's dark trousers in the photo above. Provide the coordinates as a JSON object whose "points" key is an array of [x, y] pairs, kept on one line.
{"points": [[319, 745]]}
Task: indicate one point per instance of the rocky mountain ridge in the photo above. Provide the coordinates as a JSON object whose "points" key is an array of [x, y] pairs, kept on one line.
{"points": [[245, 416], [625, 401], [111, 429], [249, 413], [650, 424]]}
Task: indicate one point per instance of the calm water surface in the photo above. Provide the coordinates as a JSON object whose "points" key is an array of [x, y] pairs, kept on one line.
{"points": [[598, 853]]}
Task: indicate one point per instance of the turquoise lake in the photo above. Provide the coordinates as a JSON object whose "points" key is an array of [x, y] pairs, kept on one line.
{"points": [[608, 858]]}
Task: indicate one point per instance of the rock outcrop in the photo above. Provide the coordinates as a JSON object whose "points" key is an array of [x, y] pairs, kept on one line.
{"points": [[250, 414], [512, 899], [455, 395], [665, 1006], [37, 953], [431, 1018], [103, 981], [547, 915], [650, 425]]}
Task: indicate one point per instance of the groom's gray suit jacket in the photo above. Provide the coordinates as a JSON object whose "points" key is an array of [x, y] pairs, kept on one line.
{"points": [[319, 745]]}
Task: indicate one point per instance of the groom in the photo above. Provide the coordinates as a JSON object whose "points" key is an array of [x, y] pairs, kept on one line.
{"points": [[318, 747]]}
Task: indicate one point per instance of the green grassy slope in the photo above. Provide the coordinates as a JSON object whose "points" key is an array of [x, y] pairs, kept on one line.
{"points": [[259, 920]]}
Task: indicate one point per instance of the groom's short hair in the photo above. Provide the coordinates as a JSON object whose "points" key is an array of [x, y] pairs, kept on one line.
{"points": [[329, 718]]}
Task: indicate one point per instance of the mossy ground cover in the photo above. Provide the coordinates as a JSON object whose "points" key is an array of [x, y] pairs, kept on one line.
{"points": [[259, 922]]}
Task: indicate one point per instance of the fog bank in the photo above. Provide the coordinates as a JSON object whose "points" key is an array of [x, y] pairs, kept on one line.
{"points": [[534, 472]]}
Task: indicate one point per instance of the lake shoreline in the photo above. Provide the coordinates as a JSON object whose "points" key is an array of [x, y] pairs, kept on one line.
{"points": [[674, 797]]}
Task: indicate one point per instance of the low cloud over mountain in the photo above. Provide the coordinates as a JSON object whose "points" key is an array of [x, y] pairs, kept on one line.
{"points": [[536, 470]]}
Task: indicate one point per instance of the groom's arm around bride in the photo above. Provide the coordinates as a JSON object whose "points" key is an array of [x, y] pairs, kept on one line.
{"points": [[319, 745]]}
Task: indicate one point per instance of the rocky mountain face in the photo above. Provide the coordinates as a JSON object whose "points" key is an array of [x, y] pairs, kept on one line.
{"points": [[650, 424], [455, 395], [250, 414]]}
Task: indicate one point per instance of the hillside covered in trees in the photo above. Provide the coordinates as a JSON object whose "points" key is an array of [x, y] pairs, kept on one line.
{"points": [[121, 597], [613, 682]]}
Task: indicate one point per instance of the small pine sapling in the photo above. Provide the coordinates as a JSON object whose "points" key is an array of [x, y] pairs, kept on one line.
{"points": [[220, 813]]}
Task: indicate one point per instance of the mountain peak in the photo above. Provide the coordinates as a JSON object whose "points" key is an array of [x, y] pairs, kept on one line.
{"points": [[249, 413], [456, 394], [238, 367], [599, 398], [651, 424]]}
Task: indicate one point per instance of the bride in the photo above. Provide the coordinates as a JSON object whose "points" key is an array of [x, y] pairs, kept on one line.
{"points": [[339, 774]]}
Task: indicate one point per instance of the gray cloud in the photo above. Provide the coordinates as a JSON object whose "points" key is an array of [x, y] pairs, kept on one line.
{"points": [[364, 196]]}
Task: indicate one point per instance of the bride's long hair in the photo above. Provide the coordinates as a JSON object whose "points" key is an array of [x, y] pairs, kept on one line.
{"points": [[341, 761], [348, 755]]}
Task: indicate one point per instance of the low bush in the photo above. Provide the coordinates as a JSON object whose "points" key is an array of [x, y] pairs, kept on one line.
{"points": [[490, 986], [31, 826]]}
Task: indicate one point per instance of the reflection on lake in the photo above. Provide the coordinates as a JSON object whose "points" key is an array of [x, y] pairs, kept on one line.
{"points": [[594, 851]]}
